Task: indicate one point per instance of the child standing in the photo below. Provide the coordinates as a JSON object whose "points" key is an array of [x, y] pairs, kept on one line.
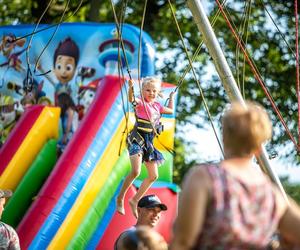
{"points": [[140, 139]]}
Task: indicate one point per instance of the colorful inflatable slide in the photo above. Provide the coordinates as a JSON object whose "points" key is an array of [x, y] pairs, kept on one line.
{"points": [[70, 204]]}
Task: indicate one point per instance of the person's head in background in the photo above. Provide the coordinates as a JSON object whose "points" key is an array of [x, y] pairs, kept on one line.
{"points": [[3, 195], [245, 129], [44, 100], [143, 238], [149, 210], [65, 102]]}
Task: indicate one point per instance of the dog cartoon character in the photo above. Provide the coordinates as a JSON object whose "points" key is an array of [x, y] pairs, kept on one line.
{"points": [[86, 95], [7, 46], [8, 116]]}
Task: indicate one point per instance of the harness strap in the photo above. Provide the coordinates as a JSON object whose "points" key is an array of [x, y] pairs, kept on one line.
{"points": [[135, 136], [146, 126]]}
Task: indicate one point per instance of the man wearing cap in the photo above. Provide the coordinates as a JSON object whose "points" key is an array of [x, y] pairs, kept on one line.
{"points": [[8, 236], [149, 211]]}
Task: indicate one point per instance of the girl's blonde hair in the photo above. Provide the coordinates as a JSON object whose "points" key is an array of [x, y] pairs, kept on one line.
{"points": [[153, 81], [245, 129]]}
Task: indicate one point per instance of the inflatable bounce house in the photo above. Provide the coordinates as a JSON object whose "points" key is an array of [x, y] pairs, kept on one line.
{"points": [[68, 202]]}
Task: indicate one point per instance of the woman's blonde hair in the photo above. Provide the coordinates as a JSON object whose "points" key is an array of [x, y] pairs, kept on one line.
{"points": [[154, 81], [245, 129]]}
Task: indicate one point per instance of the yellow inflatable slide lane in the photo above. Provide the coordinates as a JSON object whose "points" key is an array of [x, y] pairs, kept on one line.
{"points": [[45, 128]]}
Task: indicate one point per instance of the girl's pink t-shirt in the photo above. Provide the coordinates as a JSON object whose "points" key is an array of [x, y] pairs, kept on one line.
{"points": [[148, 110]]}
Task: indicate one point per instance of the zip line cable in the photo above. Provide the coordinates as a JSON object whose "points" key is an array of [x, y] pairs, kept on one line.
{"points": [[29, 77], [256, 72], [257, 75], [197, 51], [29, 73], [51, 38], [121, 72], [243, 29], [279, 31], [139, 80], [50, 26], [128, 68], [297, 67], [195, 77], [121, 39]]}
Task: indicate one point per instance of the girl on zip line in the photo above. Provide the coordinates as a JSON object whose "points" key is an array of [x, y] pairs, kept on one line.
{"points": [[140, 139]]}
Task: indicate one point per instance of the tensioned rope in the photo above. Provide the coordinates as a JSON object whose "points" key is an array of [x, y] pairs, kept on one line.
{"points": [[257, 76], [271, 154], [296, 55], [121, 73], [51, 38], [139, 78], [29, 77], [297, 68], [128, 69], [29, 73], [243, 30], [276, 26], [121, 39], [197, 51], [195, 77], [50, 26]]}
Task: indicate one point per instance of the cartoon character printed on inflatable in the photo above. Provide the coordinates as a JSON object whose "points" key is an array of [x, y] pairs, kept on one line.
{"points": [[31, 91], [7, 46], [86, 95], [8, 116], [65, 61]]}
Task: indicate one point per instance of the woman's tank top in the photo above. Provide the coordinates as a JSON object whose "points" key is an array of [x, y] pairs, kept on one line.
{"points": [[240, 215]]}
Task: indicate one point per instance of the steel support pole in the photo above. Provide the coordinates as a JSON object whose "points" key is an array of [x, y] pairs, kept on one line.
{"points": [[225, 74]]}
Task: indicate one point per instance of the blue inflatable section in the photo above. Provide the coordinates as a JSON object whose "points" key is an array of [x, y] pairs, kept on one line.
{"points": [[109, 212]]}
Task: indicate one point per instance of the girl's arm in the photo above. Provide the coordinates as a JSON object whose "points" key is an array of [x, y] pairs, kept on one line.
{"points": [[69, 124], [193, 201], [170, 108]]}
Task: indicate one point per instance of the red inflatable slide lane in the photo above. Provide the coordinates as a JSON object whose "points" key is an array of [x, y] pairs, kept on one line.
{"points": [[18, 134], [69, 161]]}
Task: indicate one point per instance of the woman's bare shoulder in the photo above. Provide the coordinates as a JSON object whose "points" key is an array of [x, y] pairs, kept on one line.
{"points": [[198, 177]]}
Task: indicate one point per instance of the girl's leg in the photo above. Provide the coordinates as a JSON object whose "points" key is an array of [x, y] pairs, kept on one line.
{"points": [[136, 162], [152, 177]]}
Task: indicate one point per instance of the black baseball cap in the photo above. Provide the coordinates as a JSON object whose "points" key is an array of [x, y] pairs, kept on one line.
{"points": [[5, 193], [150, 201]]}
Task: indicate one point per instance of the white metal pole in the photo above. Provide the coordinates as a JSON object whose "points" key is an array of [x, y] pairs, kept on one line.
{"points": [[213, 46]]}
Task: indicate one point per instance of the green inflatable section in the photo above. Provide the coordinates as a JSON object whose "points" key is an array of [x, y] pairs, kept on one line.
{"points": [[97, 210], [165, 171], [30, 185]]}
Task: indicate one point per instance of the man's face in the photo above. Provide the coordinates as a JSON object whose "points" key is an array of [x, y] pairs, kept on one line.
{"points": [[2, 202], [149, 216], [64, 68]]}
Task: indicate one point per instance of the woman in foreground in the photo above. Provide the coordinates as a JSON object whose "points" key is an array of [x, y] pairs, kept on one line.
{"points": [[233, 205]]}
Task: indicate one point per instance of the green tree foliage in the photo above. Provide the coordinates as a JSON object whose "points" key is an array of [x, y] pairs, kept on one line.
{"points": [[265, 44], [292, 189]]}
